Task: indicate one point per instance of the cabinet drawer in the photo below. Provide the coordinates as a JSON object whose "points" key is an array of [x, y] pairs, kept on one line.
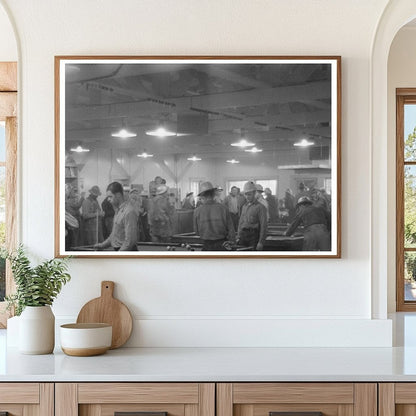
{"points": [[21, 399], [309, 399], [397, 399], [147, 399]]}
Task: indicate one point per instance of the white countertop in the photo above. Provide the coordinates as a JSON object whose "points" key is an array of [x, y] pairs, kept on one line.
{"points": [[222, 364], [215, 364]]}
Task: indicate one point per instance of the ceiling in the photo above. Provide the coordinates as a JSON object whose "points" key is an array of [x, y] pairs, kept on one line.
{"points": [[209, 105]]}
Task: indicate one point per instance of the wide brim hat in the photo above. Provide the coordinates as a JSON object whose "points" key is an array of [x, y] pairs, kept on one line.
{"points": [[304, 200], [259, 188], [95, 190], [161, 189], [249, 187], [206, 186]]}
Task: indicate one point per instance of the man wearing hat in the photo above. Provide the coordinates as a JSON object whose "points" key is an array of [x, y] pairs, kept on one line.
{"points": [[212, 220], [260, 198], [92, 216], [161, 214], [272, 205], [124, 234], [218, 194], [234, 202], [252, 227], [316, 222], [189, 201]]}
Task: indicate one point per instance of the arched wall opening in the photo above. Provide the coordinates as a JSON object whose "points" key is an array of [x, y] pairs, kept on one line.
{"points": [[401, 74], [384, 76]]}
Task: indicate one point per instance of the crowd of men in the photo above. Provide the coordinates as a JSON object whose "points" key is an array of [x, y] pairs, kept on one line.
{"points": [[240, 219]]}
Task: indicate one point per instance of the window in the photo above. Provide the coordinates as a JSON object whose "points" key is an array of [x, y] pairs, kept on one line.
{"points": [[265, 183], [406, 200], [8, 165], [194, 184]]}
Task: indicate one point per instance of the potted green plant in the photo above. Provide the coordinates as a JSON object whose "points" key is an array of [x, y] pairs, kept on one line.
{"points": [[36, 289]]}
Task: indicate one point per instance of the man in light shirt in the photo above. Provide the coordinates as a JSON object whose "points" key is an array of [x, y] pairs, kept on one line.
{"points": [[124, 234], [234, 202], [252, 227]]}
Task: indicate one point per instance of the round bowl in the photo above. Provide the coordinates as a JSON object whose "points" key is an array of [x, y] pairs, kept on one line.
{"points": [[83, 340]]}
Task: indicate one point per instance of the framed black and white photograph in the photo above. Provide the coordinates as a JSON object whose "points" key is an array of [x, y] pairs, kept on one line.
{"points": [[198, 156]]}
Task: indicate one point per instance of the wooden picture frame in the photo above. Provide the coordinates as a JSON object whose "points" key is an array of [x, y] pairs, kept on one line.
{"points": [[276, 120]]}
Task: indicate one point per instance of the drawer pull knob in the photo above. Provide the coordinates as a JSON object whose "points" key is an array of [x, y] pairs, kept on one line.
{"points": [[140, 414], [295, 413]]}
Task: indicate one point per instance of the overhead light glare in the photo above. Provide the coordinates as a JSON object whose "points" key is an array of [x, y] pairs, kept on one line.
{"points": [[243, 143], [194, 158], [124, 134], [303, 143], [145, 155], [160, 132], [79, 149], [233, 161], [253, 150]]}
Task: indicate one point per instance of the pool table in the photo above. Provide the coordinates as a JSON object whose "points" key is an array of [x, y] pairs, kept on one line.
{"points": [[274, 242], [172, 246]]}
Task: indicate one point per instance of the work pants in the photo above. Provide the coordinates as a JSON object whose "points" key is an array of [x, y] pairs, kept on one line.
{"points": [[249, 237], [316, 238]]}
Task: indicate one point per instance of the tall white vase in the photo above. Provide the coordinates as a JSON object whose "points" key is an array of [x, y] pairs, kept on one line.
{"points": [[37, 330]]}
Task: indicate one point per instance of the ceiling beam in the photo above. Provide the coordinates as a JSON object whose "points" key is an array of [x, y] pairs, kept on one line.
{"points": [[216, 102]]}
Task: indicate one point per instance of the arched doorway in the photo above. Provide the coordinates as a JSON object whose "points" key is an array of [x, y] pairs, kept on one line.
{"points": [[395, 16]]}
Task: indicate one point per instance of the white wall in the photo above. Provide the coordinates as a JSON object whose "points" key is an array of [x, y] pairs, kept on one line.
{"points": [[212, 302], [8, 46], [401, 74]]}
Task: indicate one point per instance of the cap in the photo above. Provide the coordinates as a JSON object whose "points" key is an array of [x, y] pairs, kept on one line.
{"points": [[95, 190], [259, 188]]}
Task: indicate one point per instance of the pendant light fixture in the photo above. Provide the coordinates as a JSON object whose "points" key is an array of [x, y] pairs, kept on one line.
{"points": [[253, 150], [124, 133], [233, 161], [144, 155], [194, 158], [79, 149], [303, 143], [160, 132], [243, 143]]}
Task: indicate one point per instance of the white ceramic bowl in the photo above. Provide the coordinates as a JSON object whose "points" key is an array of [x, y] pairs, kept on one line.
{"points": [[84, 340]]}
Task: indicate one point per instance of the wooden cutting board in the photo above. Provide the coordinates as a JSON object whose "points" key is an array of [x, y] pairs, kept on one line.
{"points": [[107, 309]]}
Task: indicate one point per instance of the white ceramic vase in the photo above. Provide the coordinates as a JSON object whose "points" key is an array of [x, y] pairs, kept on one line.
{"points": [[37, 330]]}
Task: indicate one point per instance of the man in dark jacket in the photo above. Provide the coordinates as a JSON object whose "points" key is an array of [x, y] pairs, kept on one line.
{"points": [[316, 222], [212, 220]]}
